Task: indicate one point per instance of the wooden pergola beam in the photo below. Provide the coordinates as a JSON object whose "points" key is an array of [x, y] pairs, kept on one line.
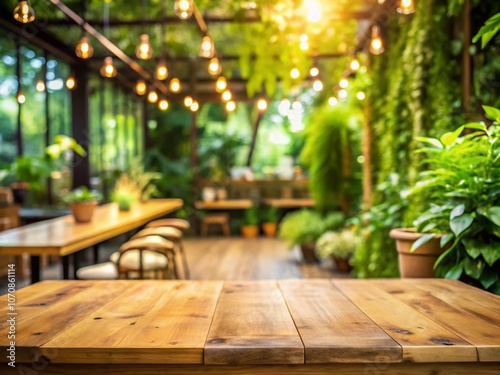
{"points": [[256, 126]]}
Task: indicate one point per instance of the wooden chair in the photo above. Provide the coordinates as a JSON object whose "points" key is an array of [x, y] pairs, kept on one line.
{"points": [[181, 224], [137, 258], [216, 219]]}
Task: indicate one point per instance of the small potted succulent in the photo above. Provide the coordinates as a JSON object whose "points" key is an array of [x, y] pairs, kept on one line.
{"points": [[270, 226], [250, 228], [338, 245], [82, 202]]}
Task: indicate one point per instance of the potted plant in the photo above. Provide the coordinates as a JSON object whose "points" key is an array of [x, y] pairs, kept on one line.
{"points": [[270, 226], [125, 192], [250, 228], [82, 202], [338, 245], [304, 227], [462, 183]]}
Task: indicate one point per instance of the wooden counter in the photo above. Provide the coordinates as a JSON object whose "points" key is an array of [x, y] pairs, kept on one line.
{"points": [[255, 327]]}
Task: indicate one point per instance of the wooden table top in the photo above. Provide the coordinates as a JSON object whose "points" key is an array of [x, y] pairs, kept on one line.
{"points": [[289, 202], [228, 204], [62, 236], [285, 322]]}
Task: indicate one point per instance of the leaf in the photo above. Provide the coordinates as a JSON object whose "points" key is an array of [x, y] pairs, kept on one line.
{"points": [[455, 272], [492, 113], [473, 267], [477, 126], [490, 253], [472, 247], [492, 214], [457, 211], [488, 277], [445, 239], [449, 139], [422, 240], [446, 253], [433, 141], [459, 224]]}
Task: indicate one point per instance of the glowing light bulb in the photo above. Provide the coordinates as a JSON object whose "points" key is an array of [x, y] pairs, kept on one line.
{"points": [[40, 86], [214, 67], [23, 12], [188, 101], [354, 65], [175, 85], [144, 50], [297, 105], [221, 84], [376, 44], [83, 49], [406, 7], [20, 97], [108, 69], [295, 73], [284, 107], [343, 94], [361, 95], [304, 46], [195, 106], [304, 38], [344, 83], [161, 71], [140, 87], [207, 48], [230, 106], [70, 83], [332, 101], [226, 96], [262, 104], [313, 10], [183, 8], [163, 104], [152, 96], [318, 85], [314, 72]]}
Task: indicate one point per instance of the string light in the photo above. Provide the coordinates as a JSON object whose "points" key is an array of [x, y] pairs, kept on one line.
{"points": [[207, 48], [332, 101], [23, 12], [221, 84], [230, 106], [361, 95], [83, 49], [295, 73], [343, 94], [318, 85], [140, 87], [183, 8], [304, 42], [108, 70], [195, 106], [406, 7], [188, 101], [262, 104], [344, 83], [163, 104], [314, 72], [354, 65], [161, 71], [40, 86], [376, 44], [175, 85], [20, 97], [226, 96], [152, 96], [296, 105], [70, 83], [214, 67], [144, 50]]}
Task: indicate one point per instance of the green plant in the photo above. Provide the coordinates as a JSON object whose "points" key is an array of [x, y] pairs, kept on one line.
{"points": [[251, 216], [306, 226], [143, 180], [126, 192], [488, 31], [341, 244], [272, 215], [462, 182], [82, 194]]}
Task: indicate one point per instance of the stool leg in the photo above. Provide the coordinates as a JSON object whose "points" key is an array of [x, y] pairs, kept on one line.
{"points": [[174, 264], [204, 229], [184, 261]]}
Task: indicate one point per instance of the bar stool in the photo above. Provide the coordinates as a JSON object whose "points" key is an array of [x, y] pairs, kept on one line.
{"points": [[216, 219], [181, 224], [136, 258]]}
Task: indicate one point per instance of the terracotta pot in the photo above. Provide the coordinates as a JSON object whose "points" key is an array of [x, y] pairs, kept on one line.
{"points": [[270, 229], [83, 211], [250, 231], [419, 263], [342, 265], [308, 252]]}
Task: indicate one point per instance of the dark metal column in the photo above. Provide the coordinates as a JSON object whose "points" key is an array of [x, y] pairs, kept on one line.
{"points": [[19, 134]]}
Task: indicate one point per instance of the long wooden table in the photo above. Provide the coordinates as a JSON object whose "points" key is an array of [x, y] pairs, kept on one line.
{"points": [[62, 236], [342, 327]]}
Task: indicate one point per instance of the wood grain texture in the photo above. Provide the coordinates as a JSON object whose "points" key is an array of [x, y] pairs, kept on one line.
{"points": [[422, 339], [62, 236], [332, 328], [229, 204], [252, 325]]}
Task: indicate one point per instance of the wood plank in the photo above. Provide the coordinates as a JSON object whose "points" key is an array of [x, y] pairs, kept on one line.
{"points": [[334, 330], [252, 325], [421, 338], [331, 369], [38, 323], [162, 322]]}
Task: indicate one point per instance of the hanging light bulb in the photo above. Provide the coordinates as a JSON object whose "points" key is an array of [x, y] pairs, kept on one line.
{"points": [[317, 85], [108, 69], [297, 105], [83, 49], [40, 86], [140, 87], [20, 97], [230, 106], [344, 83], [152, 96], [70, 83], [343, 94], [295, 73], [23, 12], [214, 67], [161, 71], [226, 96], [361, 95], [332, 101], [163, 104], [376, 44], [195, 106], [183, 8], [221, 84], [207, 48], [144, 50], [406, 7], [354, 65], [175, 85], [188, 101], [314, 72], [262, 104]]}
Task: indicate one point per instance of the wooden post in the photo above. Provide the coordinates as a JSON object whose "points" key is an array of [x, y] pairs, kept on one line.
{"points": [[367, 165], [19, 132], [193, 155], [466, 62], [254, 138]]}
